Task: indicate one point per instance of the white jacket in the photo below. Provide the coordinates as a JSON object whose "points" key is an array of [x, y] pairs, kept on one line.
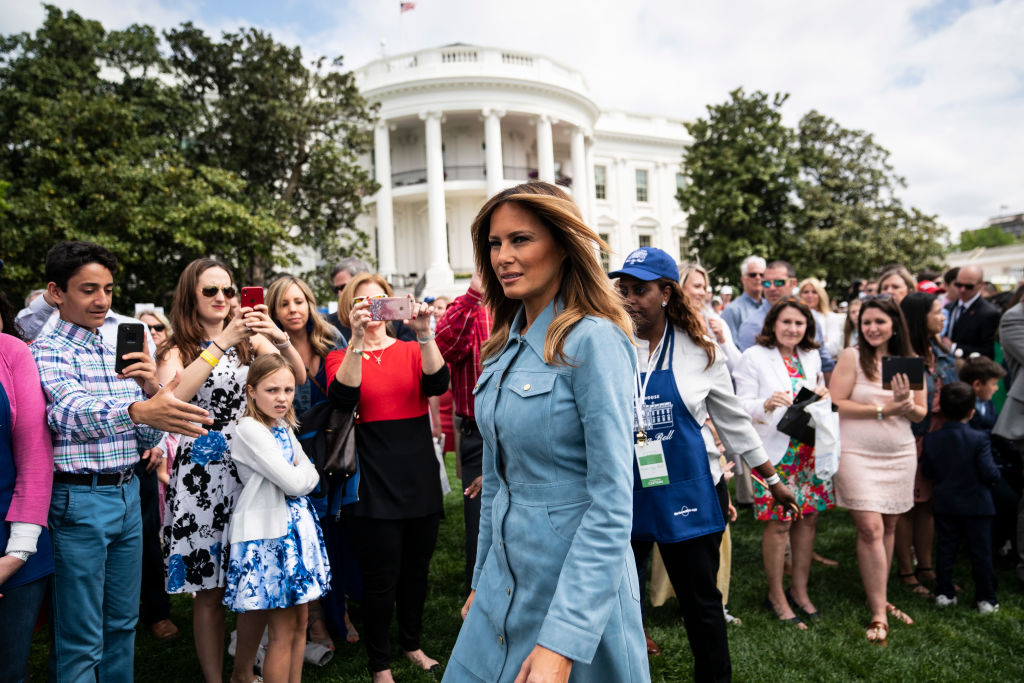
{"points": [[261, 511], [760, 373]]}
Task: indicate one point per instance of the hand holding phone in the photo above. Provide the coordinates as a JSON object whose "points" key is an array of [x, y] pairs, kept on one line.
{"points": [[131, 338]]}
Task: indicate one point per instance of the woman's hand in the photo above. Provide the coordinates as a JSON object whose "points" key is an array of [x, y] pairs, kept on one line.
{"points": [[822, 391], [258, 321], [717, 329], [900, 387], [780, 399], [358, 318], [419, 321], [234, 332], [469, 603], [544, 666]]}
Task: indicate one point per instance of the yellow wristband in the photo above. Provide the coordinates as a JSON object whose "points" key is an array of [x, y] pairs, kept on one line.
{"points": [[209, 358]]}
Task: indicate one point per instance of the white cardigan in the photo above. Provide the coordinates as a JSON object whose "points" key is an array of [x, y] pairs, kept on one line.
{"points": [[261, 511], [760, 373]]}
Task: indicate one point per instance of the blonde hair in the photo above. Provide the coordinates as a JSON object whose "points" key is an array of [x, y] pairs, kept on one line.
{"points": [[259, 370], [585, 287], [321, 334], [688, 269], [349, 293], [159, 316], [824, 305]]}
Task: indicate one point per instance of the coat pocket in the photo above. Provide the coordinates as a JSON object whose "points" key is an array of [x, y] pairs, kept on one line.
{"points": [[565, 519]]}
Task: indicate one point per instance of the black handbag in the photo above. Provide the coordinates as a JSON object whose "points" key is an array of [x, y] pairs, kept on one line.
{"points": [[795, 422], [328, 437]]}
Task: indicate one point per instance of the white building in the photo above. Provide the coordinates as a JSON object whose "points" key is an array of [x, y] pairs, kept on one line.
{"points": [[460, 123]]}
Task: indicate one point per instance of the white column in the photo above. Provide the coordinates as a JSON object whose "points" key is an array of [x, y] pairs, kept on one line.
{"points": [[385, 209], [580, 186], [591, 213], [439, 271], [666, 198], [624, 198], [492, 141], [545, 150]]}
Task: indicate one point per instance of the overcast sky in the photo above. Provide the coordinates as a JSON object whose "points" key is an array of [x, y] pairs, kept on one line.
{"points": [[940, 83]]}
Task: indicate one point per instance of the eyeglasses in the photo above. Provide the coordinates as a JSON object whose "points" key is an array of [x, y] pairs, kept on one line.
{"points": [[157, 328], [210, 292], [337, 288], [753, 275], [966, 285], [876, 297], [361, 299], [776, 283]]}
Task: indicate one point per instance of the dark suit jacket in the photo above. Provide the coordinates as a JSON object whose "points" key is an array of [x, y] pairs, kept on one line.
{"points": [[975, 329], [959, 460], [403, 332], [984, 423], [1010, 424]]}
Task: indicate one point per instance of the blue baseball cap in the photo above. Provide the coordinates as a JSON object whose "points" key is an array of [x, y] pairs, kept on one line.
{"points": [[648, 263]]}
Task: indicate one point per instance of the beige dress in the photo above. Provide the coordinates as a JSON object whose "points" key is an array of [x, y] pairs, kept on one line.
{"points": [[878, 457]]}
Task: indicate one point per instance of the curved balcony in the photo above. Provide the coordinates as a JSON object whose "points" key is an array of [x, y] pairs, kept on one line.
{"points": [[418, 176]]}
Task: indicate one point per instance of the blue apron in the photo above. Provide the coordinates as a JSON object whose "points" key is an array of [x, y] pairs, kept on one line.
{"points": [[688, 506], [39, 564]]}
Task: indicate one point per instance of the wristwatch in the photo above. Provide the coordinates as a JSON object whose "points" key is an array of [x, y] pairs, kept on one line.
{"points": [[878, 413]]}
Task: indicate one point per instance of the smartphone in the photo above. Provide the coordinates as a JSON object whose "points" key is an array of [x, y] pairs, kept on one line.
{"points": [[131, 337], [912, 367], [392, 308], [251, 297]]}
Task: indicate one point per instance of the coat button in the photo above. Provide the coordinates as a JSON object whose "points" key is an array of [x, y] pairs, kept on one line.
{"points": [[526, 387], [500, 640], [508, 590]]}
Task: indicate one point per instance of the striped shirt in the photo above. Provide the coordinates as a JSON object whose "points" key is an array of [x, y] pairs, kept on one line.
{"points": [[460, 333], [87, 405]]}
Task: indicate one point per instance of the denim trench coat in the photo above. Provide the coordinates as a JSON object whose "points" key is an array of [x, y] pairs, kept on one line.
{"points": [[554, 565]]}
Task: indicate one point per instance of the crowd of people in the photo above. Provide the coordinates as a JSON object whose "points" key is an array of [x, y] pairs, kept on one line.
{"points": [[598, 420]]}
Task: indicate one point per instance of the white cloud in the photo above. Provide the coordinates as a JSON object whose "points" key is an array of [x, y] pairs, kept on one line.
{"points": [[939, 84]]}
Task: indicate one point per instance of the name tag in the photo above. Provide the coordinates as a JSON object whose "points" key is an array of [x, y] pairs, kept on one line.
{"points": [[650, 460]]}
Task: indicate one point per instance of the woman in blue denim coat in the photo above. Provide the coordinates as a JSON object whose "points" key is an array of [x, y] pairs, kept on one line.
{"points": [[555, 595]]}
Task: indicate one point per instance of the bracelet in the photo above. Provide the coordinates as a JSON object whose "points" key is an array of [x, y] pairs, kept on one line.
{"points": [[425, 341], [222, 349], [209, 358], [773, 480], [878, 413], [353, 349], [283, 345]]}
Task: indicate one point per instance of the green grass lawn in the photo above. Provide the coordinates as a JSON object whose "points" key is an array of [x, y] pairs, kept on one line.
{"points": [[955, 644]]}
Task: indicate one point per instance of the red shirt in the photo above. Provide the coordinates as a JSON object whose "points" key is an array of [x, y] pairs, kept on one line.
{"points": [[460, 333]]}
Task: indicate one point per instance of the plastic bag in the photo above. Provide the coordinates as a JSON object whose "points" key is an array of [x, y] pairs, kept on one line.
{"points": [[826, 438]]}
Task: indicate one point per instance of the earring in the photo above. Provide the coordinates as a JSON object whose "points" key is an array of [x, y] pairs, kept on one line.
{"points": [[664, 304]]}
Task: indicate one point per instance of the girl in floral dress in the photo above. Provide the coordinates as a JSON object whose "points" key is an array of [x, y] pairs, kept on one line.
{"points": [[211, 351], [278, 562]]}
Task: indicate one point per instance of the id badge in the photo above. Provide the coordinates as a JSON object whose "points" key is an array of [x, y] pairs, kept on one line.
{"points": [[650, 460]]}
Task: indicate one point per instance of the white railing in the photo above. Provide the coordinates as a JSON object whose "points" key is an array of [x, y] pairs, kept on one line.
{"points": [[456, 56]]}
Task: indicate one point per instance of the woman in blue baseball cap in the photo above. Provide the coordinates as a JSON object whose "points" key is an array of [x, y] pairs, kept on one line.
{"points": [[678, 498]]}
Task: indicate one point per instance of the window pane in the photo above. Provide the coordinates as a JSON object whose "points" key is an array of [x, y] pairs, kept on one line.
{"points": [[599, 182], [641, 185], [645, 240], [605, 258]]}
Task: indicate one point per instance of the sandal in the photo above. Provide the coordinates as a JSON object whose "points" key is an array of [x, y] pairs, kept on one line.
{"points": [[897, 613], [813, 616], [652, 647], [821, 559], [877, 633], [915, 586], [796, 621]]}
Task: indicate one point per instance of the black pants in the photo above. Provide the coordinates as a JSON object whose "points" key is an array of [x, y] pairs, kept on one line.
{"points": [[154, 605], [692, 567], [977, 532], [471, 453], [394, 557]]}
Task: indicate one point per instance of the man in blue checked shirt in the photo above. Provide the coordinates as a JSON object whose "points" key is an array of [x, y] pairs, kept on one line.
{"points": [[100, 421]]}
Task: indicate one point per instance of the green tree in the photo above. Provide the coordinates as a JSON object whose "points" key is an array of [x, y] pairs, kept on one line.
{"points": [[741, 176], [293, 133], [992, 236], [87, 144]]}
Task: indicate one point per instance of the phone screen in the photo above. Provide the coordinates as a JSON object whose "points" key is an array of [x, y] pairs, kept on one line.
{"points": [[130, 338]]}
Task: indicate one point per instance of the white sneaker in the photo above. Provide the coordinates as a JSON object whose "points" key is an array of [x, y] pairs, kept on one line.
{"points": [[986, 607], [943, 601]]}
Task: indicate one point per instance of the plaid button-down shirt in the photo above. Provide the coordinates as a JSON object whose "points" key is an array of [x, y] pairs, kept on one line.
{"points": [[460, 333], [87, 405]]}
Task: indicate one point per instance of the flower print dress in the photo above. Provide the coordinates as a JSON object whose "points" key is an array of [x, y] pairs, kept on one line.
{"points": [[796, 468], [280, 572], [204, 485]]}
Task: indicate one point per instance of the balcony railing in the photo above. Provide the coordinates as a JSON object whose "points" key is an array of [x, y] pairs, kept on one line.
{"points": [[418, 176]]}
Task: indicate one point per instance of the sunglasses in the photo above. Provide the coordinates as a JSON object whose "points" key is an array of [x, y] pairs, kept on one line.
{"points": [[157, 328], [361, 299], [876, 297], [337, 288], [965, 285], [210, 292], [777, 283], [753, 275]]}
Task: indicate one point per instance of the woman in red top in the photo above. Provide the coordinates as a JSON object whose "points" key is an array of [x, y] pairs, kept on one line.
{"points": [[394, 523]]}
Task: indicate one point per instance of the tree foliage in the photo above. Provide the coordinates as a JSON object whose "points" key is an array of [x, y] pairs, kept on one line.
{"points": [[992, 236], [826, 196], [166, 159]]}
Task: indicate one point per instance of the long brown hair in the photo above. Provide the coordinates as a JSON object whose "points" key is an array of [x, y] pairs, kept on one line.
{"points": [[898, 344], [585, 287], [767, 336], [321, 333], [261, 368], [187, 334], [681, 313]]}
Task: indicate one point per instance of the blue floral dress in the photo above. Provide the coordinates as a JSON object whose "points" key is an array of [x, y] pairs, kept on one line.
{"points": [[280, 572]]}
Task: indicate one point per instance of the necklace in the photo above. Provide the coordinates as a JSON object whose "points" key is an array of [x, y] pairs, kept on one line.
{"points": [[377, 358]]}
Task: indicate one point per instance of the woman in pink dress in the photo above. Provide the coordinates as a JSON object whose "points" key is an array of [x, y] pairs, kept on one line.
{"points": [[875, 480]]}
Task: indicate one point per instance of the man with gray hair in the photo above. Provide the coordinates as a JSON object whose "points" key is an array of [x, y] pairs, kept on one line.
{"points": [[752, 298]]}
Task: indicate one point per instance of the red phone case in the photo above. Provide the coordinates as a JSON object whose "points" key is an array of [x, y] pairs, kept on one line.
{"points": [[251, 297]]}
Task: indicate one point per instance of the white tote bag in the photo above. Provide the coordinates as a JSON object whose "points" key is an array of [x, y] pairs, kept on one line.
{"points": [[826, 438]]}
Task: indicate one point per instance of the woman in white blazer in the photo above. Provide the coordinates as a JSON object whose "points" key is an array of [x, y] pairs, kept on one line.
{"points": [[770, 373]]}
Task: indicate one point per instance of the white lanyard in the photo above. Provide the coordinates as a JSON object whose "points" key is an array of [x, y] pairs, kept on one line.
{"points": [[640, 387]]}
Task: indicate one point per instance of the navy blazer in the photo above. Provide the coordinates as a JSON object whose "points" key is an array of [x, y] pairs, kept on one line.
{"points": [[975, 329], [958, 459]]}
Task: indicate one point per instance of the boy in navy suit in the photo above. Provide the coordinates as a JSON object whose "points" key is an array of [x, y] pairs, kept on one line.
{"points": [[983, 374], [958, 459]]}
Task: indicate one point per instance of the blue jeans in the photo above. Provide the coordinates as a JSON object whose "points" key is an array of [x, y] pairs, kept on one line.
{"points": [[97, 547], [19, 609]]}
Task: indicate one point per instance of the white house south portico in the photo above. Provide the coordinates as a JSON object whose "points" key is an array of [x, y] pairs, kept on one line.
{"points": [[460, 123]]}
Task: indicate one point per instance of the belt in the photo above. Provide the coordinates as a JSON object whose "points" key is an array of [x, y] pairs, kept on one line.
{"points": [[87, 479], [468, 425]]}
